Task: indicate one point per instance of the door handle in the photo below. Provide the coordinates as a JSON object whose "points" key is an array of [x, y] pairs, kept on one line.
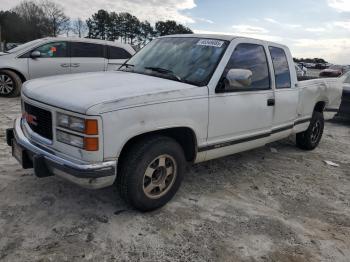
{"points": [[65, 65], [75, 65], [271, 102]]}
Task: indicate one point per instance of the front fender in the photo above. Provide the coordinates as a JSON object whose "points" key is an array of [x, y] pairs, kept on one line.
{"points": [[122, 125], [20, 66]]}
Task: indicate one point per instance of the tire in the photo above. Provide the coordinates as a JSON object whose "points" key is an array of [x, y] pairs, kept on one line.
{"points": [[151, 172], [309, 139], [10, 84]]}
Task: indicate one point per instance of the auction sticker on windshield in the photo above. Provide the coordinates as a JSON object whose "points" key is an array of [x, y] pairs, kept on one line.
{"points": [[210, 42]]}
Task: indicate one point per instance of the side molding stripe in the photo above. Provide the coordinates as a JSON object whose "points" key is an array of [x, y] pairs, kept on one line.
{"points": [[302, 121], [251, 138], [332, 110]]}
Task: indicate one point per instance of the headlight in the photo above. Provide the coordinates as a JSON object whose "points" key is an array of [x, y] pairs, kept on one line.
{"points": [[71, 122], [70, 139], [86, 143], [85, 126]]}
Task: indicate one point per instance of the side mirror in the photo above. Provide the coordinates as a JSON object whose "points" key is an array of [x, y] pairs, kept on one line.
{"points": [[238, 78], [35, 54]]}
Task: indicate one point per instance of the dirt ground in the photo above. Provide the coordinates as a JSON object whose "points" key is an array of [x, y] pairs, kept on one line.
{"points": [[261, 205]]}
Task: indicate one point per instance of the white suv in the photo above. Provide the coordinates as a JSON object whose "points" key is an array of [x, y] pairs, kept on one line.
{"points": [[56, 56]]}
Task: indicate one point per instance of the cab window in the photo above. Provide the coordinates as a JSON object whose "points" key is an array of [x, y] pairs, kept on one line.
{"points": [[53, 50], [281, 67], [251, 57], [117, 53]]}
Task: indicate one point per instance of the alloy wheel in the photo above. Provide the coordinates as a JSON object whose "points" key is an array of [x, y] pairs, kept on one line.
{"points": [[315, 132], [6, 84], [159, 176]]}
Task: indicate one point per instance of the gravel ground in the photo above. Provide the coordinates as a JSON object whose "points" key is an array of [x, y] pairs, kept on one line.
{"points": [[261, 205]]}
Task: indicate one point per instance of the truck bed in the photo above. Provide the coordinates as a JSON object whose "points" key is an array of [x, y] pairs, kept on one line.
{"points": [[320, 89]]}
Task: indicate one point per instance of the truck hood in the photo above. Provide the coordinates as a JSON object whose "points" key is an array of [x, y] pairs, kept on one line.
{"points": [[96, 93]]}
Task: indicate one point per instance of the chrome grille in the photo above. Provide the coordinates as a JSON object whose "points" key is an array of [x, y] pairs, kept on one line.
{"points": [[39, 120]]}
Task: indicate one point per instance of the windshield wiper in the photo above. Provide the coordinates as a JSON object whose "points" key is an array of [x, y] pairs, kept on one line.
{"points": [[126, 65], [164, 71]]}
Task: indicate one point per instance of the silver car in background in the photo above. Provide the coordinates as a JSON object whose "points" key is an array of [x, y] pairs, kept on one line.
{"points": [[301, 70], [57, 56]]}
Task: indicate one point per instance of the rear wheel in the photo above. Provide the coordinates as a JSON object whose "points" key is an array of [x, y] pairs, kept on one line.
{"points": [[309, 139], [151, 172], [10, 84]]}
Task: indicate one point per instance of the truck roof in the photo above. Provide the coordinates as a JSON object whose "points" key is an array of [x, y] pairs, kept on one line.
{"points": [[212, 36], [221, 37]]}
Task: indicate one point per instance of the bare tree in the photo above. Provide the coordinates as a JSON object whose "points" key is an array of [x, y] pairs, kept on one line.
{"points": [[35, 20], [79, 27], [55, 16], [67, 28]]}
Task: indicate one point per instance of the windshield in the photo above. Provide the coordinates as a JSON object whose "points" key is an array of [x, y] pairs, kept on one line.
{"points": [[188, 60], [24, 46]]}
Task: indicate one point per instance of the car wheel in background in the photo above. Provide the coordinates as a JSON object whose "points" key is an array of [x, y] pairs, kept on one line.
{"points": [[10, 84], [309, 139], [151, 172]]}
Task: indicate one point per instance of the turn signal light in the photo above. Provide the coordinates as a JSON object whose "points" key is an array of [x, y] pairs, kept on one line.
{"points": [[91, 143], [91, 127]]}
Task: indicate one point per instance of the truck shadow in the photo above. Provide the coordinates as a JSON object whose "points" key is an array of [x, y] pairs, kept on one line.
{"points": [[340, 121]]}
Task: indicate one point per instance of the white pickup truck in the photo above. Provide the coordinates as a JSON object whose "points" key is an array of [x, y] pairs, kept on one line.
{"points": [[181, 99]]}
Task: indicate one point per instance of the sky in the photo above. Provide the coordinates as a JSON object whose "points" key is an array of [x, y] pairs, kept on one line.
{"points": [[311, 28]]}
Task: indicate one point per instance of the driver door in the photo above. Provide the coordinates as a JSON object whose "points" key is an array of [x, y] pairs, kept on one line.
{"points": [[241, 119], [54, 60]]}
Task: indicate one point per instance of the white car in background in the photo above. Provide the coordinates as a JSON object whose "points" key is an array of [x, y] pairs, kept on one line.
{"points": [[300, 71], [58, 56]]}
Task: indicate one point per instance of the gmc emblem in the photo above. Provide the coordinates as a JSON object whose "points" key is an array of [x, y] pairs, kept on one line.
{"points": [[30, 119]]}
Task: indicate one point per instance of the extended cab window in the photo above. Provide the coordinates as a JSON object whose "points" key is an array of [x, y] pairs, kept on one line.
{"points": [[117, 53], [253, 58], [52, 50], [281, 67], [86, 50]]}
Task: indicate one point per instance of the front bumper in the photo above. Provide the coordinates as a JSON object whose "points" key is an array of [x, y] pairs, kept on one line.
{"points": [[47, 163]]}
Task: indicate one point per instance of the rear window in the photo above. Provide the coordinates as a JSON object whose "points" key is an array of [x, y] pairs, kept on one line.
{"points": [[281, 67], [118, 53], [86, 50]]}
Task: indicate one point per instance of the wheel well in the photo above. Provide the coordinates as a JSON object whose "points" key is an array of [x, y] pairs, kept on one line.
{"points": [[320, 106], [183, 135], [21, 76]]}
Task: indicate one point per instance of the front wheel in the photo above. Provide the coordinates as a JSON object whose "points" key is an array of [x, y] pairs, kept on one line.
{"points": [[151, 172], [309, 139], [10, 84]]}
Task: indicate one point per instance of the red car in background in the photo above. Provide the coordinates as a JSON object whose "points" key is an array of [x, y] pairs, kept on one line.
{"points": [[334, 71]]}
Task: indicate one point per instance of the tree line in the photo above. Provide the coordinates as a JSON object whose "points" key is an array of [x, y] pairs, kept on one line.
{"points": [[310, 60], [31, 20], [129, 29]]}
